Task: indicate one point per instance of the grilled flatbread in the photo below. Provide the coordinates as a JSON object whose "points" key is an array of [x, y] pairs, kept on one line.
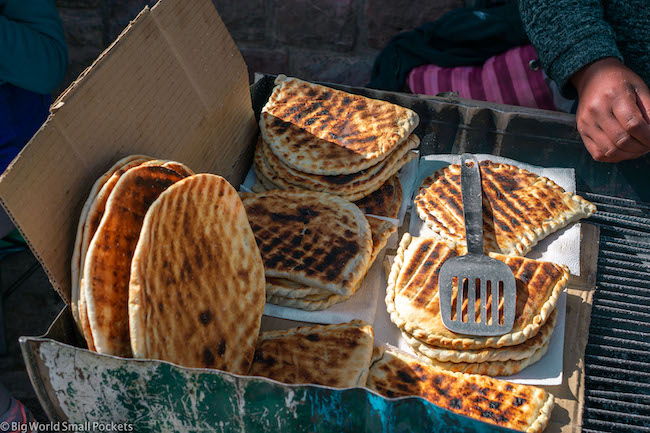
{"points": [[347, 184], [316, 239], [108, 262], [412, 294], [386, 201], [75, 264], [520, 407], [315, 302], [519, 208], [490, 368], [196, 293], [367, 127], [330, 355], [92, 215], [519, 352], [349, 187], [89, 220]]}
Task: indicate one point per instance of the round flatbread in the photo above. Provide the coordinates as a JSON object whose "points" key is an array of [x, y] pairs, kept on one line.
{"points": [[413, 304], [108, 261], [519, 352], [196, 294], [490, 368], [351, 187], [316, 239]]}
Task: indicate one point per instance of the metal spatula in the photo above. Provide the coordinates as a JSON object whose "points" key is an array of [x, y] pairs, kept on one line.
{"points": [[476, 277]]}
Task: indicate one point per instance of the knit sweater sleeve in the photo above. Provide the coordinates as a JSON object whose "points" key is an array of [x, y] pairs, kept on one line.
{"points": [[33, 53], [567, 34]]}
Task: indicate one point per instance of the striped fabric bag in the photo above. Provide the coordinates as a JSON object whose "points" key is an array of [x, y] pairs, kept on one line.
{"points": [[514, 78]]}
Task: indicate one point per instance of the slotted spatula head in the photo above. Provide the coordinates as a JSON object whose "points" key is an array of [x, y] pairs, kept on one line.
{"points": [[477, 293]]}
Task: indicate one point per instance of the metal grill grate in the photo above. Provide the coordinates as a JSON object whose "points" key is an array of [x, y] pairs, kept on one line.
{"points": [[617, 358]]}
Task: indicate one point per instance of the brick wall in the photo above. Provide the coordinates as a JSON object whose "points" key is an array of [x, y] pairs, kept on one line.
{"points": [[327, 40]]}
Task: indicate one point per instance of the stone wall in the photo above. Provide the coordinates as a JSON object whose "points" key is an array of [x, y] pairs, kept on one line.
{"points": [[326, 40]]}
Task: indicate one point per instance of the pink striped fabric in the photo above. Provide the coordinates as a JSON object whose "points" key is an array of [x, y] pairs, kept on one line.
{"points": [[505, 79]]}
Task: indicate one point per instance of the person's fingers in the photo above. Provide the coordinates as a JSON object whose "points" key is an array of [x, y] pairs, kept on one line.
{"points": [[623, 131], [601, 147], [627, 127], [643, 101]]}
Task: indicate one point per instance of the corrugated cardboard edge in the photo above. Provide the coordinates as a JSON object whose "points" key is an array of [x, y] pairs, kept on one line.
{"points": [[208, 123]]}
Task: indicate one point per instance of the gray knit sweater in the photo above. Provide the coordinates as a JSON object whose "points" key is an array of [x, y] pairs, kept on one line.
{"points": [[570, 34]]}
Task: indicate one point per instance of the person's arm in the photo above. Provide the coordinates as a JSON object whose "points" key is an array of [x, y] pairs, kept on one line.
{"points": [[578, 50], [33, 53]]}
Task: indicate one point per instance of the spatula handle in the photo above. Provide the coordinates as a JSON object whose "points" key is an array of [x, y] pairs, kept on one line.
{"points": [[470, 182]]}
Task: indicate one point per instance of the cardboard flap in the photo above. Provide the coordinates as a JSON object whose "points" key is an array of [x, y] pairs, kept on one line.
{"points": [[173, 86]]}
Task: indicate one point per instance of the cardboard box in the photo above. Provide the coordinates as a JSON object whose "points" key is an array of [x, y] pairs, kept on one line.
{"points": [[174, 86]]}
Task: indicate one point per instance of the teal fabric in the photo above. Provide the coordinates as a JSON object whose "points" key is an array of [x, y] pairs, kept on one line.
{"points": [[33, 53], [570, 34]]}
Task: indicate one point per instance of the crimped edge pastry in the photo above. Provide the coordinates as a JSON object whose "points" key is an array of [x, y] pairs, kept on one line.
{"points": [[581, 209], [509, 339], [490, 368], [502, 354]]}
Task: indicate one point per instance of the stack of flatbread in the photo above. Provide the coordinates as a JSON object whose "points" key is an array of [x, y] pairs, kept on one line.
{"points": [[165, 266], [318, 247], [413, 303], [325, 140], [107, 232], [519, 209]]}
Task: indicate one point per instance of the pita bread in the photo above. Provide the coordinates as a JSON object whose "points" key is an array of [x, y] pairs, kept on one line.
{"points": [[329, 355], [386, 201], [108, 262], [519, 208], [520, 352], [315, 302], [342, 184], [490, 368], [75, 265], [412, 294], [523, 408], [91, 215], [196, 293], [316, 239], [353, 191], [370, 128], [306, 153]]}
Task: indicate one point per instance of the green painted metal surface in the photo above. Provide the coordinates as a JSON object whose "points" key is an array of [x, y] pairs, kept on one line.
{"points": [[79, 386]]}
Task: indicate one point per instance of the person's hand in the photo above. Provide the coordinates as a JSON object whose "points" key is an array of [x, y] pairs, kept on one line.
{"points": [[613, 111]]}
